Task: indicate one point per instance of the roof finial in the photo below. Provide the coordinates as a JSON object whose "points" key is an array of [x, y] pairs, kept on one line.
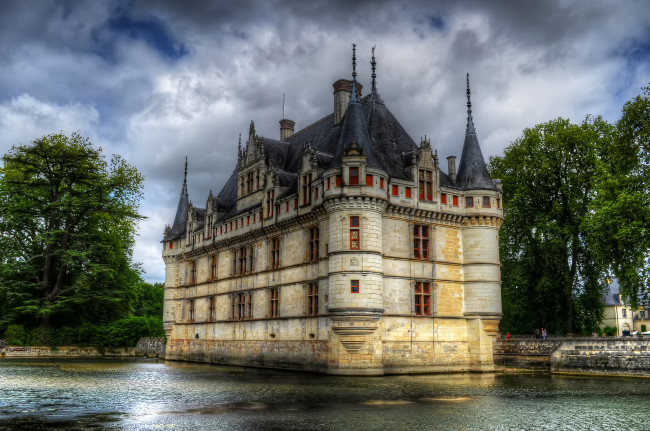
{"points": [[354, 61], [470, 121], [373, 63], [355, 95], [184, 191]]}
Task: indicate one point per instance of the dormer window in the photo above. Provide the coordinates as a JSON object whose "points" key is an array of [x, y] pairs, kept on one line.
{"points": [[425, 185], [354, 176], [306, 189]]}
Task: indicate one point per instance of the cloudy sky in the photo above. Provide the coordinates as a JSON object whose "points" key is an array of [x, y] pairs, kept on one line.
{"points": [[158, 80]]}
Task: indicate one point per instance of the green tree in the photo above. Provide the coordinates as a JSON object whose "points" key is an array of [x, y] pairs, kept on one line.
{"points": [[67, 223], [620, 222], [550, 276], [148, 300]]}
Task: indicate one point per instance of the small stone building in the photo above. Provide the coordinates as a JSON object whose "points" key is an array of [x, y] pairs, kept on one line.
{"points": [[342, 248]]}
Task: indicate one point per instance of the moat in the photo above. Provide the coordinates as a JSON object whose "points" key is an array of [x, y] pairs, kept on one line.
{"points": [[150, 394]]}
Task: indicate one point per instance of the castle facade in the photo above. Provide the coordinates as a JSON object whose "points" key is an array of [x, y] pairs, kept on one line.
{"points": [[341, 248]]}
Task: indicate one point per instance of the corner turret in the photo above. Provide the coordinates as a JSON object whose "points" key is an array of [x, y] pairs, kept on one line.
{"points": [[178, 228]]}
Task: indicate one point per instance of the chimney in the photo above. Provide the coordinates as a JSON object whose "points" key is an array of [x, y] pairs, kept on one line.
{"points": [[286, 128], [451, 160], [342, 94]]}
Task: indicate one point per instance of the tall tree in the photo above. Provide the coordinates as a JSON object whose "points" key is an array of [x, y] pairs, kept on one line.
{"points": [[549, 272], [67, 223], [620, 222]]}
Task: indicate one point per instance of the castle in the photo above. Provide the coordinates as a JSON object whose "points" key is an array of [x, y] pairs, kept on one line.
{"points": [[342, 248]]}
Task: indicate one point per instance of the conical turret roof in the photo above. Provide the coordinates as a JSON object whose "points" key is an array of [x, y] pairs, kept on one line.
{"points": [[178, 228], [472, 171]]}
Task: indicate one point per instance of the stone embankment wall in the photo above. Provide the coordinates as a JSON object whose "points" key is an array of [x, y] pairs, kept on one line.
{"points": [[619, 356], [145, 347], [151, 346]]}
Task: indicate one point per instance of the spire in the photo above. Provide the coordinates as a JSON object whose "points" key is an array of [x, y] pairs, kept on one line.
{"points": [[472, 172], [374, 94], [355, 94], [354, 129], [178, 228], [373, 64], [470, 121]]}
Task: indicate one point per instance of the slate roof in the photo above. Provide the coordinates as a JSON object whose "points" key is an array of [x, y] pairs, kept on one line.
{"points": [[612, 293], [369, 123]]}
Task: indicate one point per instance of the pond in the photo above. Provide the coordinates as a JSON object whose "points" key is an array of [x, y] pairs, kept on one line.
{"points": [[154, 394]]}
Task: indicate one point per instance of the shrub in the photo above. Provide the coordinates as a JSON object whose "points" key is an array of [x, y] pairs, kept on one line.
{"points": [[643, 328], [609, 331], [15, 335]]}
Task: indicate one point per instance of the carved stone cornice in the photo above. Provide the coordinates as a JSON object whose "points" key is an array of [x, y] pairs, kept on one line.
{"points": [[346, 203], [353, 325]]}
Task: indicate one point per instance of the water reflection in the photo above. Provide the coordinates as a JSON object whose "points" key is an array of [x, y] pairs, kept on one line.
{"points": [[146, 394]]}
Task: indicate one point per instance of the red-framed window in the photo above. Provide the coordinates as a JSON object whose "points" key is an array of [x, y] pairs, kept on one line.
{"points": [[394, 191], [499, 203], [408, 192], [316, 193], [354, 176], [469, 201], [354, 286], [355, 240], [171, 244], [274, 303], [313, 244], [381, 183], [420, 242], [443, 198], [275, 253], [328, 183], [369, 180], [455, 201], [422, 299], [312, 299], [425, 185], [339, 180]]}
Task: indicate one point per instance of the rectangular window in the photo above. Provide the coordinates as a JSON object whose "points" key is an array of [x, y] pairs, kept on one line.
{"points": [[287, 206], [312, 299], [242, 261], [249, 258], [455, 201], [316, 193], [420, 242], [469, 202], [443, 198], [275, 253], [233, 307], [249, 305], [193, 273], [394, 191], [354, 286], [213, 267], [191, 312], [624, 312], [425, 185], [381, 183], [422, 299], [328, 183], [408, 192], [213, 310], [274, 296], [270, 201], [171, 245], [486, 202], [369, 181], [354, 176], [354, 233], [306, 189], [313, 244], [241, 306], [499, 203], [339, 180]]}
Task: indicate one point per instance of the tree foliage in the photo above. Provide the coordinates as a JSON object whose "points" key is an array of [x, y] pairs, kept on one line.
{"points": [[577, 211], [550, 277], [67, 221]]}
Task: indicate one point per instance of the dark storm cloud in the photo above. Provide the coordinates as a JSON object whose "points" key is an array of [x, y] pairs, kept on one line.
{"points": [[159, 80]]}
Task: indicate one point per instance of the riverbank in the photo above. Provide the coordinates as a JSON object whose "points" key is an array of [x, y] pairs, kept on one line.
{"points": [[622, 356], [146, 347]]}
